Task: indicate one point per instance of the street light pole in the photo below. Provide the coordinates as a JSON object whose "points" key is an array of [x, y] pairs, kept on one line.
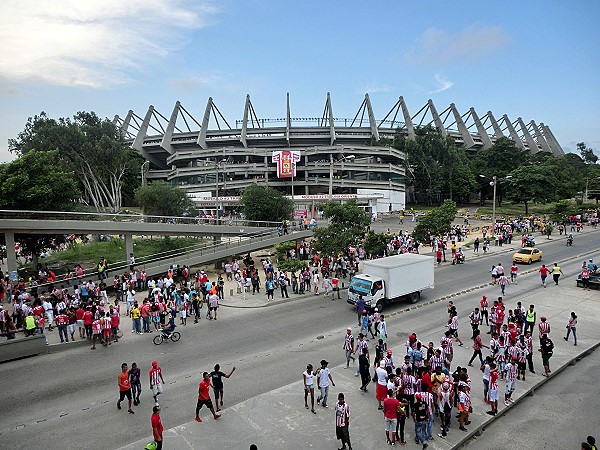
{"points": [[144, 169], [331, 179], [495, 182]]}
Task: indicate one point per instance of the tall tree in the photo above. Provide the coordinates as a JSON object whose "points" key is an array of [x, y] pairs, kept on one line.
{"points": [[532, 183], [264, 203], [348, 224], [436, 222], [37, 181], [498, 160], [586, 153], [163, 199], [91, 147]]}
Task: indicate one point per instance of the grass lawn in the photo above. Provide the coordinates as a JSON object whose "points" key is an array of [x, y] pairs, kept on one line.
{"points": [[89, 254]]}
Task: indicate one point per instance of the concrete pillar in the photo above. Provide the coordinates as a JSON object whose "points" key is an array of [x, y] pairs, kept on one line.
{"points": [[128, 246], [11, 257]]}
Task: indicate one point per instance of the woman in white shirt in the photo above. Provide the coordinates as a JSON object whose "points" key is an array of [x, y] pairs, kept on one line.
{"points": [[309, 387]]}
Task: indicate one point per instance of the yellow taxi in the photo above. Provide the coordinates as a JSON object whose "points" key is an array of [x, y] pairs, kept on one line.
{"points": [[527, 255]]}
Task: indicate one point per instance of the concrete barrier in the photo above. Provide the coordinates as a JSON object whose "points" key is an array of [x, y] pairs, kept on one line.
{"points": [[22, 347]]}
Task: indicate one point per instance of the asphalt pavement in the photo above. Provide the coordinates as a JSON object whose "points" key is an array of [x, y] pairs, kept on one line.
{"points": [[71, 394]]}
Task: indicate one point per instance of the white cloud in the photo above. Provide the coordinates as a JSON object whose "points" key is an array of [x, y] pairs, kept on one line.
{"points": [[91, 42], [443, 84], [194, 82], [471, 44], [375, 89]]}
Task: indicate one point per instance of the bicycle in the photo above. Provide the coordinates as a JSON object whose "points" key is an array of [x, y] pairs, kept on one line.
{"points": [[164, 336]]}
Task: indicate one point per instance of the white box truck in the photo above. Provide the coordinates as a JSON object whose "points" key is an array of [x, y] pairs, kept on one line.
{"points": [[387, 280]]}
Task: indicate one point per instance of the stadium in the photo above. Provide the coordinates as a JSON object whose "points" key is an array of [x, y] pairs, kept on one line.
{"points": [[309, 159]]}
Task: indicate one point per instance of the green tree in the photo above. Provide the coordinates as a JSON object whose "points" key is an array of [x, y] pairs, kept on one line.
{"points": [[376, 244], [437, 222], [499, 160], [533, 183], [587, 154], [162, 199], [92, 149], [347, 225], [39, 182], [264, 203]]}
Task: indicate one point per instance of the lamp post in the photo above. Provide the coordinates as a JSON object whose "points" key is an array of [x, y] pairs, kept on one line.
{"points": [[217, 164], [494, 183], [587, 181], [145, 167], [332, 161]]}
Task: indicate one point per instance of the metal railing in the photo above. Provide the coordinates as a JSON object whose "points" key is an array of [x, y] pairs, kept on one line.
{"points": [[128, 217]]}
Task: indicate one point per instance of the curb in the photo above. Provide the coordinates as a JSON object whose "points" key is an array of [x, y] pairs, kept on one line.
{"points": [[472, 435]]}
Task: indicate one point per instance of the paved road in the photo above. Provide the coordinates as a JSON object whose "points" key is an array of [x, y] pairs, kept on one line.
{"points": [[73, 393], [569, 402]]}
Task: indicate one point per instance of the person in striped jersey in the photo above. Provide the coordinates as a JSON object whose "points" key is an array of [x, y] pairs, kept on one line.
{"points": [[522, 358], [429, 400], [437, 360], [445, 397], [511, 376], [543, 327], [156, 380], [349, 347], [361, 346]]}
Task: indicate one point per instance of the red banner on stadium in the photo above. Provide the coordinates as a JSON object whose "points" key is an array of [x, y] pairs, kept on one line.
{"points": [[286, 163]]}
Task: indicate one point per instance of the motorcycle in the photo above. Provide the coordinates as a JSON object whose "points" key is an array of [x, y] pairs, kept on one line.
{"points": [[458, 259], [569, 241]]}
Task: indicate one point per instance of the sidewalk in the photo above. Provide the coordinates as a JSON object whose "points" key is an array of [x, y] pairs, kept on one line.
{"points": [[278, 420]]}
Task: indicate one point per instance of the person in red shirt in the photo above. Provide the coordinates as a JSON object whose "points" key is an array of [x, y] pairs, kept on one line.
{"points": [[335, 283], [88, 319], [79, 318], [124, 387], [543, 274], [204, 397], [157, 427], [62, 320], [391, 409]]}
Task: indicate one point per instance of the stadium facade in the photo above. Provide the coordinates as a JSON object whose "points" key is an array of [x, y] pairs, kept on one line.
{"points": [[312, 159]]}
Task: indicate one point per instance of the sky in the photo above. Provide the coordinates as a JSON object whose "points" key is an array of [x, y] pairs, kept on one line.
{"points": [[538, 60]]}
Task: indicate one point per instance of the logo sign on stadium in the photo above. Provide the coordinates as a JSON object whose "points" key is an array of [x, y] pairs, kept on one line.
{"points": [[286, 162]]}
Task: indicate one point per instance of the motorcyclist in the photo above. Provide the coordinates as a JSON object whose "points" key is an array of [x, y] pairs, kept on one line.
{"points": [[570, 239]]}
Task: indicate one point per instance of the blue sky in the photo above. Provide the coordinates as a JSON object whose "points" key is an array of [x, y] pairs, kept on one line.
{"points": [[534, 59]]}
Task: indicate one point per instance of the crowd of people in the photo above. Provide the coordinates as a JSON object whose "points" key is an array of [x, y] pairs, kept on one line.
{"points": [[423, 384]]}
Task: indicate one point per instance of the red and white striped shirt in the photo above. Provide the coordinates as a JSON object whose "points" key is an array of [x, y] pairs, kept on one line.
{"points": [[529, 342], [523, 352], [106, 325], [513, 351], [155, 375], [483, 305], [408, 382], [544, 328], [511, 372], [454, 323], [427, 397], [501, 353], [97, 326], [342, 413]]}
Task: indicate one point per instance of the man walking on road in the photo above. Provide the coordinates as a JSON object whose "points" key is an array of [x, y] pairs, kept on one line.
{"points": [[156, 381], [204, 397], [323, 379], [546, 348], [157, 427], [556, 273], [217, 381], [421, 417], [349, 347], [124, 387], [342, 421]]}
